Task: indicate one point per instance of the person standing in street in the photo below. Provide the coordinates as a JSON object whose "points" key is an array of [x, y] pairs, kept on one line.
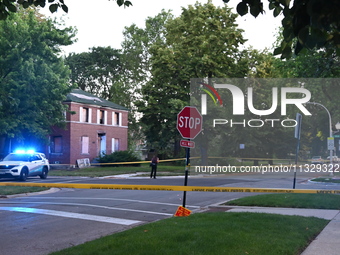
{"points": [[153, 164]]}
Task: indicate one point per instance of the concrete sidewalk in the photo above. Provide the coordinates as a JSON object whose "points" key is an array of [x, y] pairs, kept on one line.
{"points": [[327, 242]]}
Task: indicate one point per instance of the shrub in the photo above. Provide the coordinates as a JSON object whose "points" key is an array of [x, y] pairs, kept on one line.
{"points": [[120, 156]]}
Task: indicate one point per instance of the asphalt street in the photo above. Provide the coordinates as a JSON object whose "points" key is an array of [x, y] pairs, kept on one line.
{"points": [[60, 218]]}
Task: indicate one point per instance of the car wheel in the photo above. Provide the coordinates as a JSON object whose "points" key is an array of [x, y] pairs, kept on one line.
{"points": [[23, 175], [44, 173]]}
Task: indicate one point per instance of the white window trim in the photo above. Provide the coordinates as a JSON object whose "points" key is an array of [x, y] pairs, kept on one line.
{"points": [[81, 114], [113, 118], [90, 115], [105, 117]]}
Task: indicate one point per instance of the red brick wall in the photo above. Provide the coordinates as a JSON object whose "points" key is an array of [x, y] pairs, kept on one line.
{"points": [[72, 146], [64, 157]]}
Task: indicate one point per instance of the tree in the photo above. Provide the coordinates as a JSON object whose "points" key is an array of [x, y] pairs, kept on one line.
{"points": [[136, 47], [317, 64], [262, 134], [320, 67], [10, 6], [262, 64], [33, 77], [100, 72], [202, 42], [315, 24], [137, 64]]}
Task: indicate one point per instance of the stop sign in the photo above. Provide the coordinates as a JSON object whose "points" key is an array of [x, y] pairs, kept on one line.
{"points": [[189, 122]]}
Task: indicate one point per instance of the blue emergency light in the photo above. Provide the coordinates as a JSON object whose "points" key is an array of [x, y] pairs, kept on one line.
{"points": [[21, 151]]}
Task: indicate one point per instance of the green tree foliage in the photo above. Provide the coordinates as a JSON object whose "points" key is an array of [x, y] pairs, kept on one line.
{"points": [[262, 64], [319, 65], [315, 128], [33, 77], [262, 135], [311, 24], [314, 23], [10, 6], [119, 156], [100, 72], [136, 47], [137, 64], [202, 42]]}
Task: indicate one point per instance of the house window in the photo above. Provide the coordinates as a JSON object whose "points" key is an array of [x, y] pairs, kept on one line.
{"points": [[84, 145], [115, 144], [101, 117], [116, 118], [56, 144], [85, 114]]}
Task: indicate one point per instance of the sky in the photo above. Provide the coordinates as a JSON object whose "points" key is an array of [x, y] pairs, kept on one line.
{"points": [[101, 22]]}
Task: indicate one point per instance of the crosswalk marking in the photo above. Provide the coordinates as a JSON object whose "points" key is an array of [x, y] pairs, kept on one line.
{"points": [[72, 215], [90, 205]]}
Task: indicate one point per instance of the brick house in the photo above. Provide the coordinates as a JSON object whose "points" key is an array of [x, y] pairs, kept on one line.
{"points": [[97, 126]]}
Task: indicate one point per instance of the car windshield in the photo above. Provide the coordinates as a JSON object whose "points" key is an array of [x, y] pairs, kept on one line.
{"points": [[17, 157]]}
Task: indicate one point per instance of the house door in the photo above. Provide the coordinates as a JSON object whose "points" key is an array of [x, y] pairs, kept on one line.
{"points": [[101, 144]]}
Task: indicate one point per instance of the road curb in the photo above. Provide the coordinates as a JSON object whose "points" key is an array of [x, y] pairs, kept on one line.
{"points": [[51, 190]]}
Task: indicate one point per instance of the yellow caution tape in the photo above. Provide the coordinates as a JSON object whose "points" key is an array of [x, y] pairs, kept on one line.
{"points": [[180, 159], [167, 188], [137, 162]]}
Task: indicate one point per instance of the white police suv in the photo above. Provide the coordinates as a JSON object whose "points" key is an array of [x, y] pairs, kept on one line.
{"points": [[22, 164]]}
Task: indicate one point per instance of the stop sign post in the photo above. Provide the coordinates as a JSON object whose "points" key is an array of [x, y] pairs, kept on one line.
{"points": [[189, 125]]}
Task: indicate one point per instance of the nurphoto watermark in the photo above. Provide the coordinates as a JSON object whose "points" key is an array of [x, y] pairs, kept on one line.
{"points": [[267, 169], [249, 124]]}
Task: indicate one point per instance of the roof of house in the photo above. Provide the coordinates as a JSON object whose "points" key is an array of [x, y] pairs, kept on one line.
{"points": [[80, 96]]}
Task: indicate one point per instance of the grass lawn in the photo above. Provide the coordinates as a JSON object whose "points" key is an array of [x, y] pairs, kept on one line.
{"points": [[162, 170], [210, 233], [296, 200], [107, 171], [330, 180], [11, 190]]}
